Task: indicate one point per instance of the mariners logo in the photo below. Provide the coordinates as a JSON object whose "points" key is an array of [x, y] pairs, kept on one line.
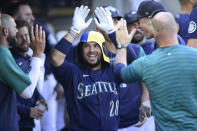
{"points": [[192, 27]]}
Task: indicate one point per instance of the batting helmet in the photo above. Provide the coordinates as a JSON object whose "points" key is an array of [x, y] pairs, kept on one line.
{"points": [[97, 37]]}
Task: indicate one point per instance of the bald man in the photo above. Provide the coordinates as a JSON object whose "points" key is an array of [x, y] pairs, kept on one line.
{"points": [[169, 73]]}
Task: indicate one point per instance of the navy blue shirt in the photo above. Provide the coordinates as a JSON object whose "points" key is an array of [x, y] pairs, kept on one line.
{"points": [[8, 119], [92, 96], [180, 40], [24, 105], [183, 21], [130, 95], [148, 47], [192, 32]]}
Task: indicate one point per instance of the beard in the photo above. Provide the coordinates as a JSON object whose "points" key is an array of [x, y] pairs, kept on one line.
{"points": [[138, 37], [11, 40], [92, 65]]}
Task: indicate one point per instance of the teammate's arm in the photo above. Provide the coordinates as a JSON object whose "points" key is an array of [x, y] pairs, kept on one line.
{"points": [[64, 46], [38, 46]]}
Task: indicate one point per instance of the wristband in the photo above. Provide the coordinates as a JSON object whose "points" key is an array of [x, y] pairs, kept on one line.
{"points": [[72, 35], [64, 46]]}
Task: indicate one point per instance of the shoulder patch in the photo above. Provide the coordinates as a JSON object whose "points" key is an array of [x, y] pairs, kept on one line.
{"points": [[192, 27]]}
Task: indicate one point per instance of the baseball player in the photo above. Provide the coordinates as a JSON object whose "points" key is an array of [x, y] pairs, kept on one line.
{"points": [[147, 10], [26, 107], [192, 32], [12, 78], [183, 18], [138, 38], [90, 88], [131, 97], [171, 85]]}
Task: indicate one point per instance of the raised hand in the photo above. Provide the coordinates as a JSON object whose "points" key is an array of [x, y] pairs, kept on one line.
{"points": [[78, 22], [38, 41], [122, 35], [104, 21]]}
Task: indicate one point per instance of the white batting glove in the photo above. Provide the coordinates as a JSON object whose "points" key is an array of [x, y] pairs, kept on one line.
{"points": [[105, 20], [78, 23]]}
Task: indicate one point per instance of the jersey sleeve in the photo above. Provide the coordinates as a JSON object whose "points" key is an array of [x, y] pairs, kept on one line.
{"points": [[63, 72], [192, 32], [133, 72], [11, 75]]}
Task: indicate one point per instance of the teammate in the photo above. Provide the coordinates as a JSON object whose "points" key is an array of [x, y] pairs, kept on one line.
{"points": [[12, 78], [192, 32], [148, 9], [90, 88], [21, 10], [183, 18], [26, 107], [171, 84], [131, 95], [138, 38]]}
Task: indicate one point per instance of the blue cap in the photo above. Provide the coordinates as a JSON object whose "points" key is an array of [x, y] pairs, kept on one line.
{"points": [[149, 8], [114, 12], [131, 17]]}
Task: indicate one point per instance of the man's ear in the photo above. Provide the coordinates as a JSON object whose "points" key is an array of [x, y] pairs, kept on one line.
{"points": [[5, 31]]}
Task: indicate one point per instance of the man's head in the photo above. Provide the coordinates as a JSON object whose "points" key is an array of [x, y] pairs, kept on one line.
{"points": [[147, 10], [8, 28], [133, 23], [20, 11], [165, 27], [91, 51], [115, 16], [22, 44]]}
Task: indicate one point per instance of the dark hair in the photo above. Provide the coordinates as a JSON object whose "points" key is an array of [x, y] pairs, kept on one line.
{"points": [[13, 7], [21, 23]]}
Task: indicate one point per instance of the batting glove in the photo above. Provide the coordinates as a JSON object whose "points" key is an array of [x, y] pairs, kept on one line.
{"points": [[78, 22], [104, 21]]}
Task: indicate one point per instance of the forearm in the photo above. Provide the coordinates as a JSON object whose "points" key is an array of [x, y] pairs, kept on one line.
{"points": [[121, 56], [58, 54], [33, 74], [145, 94]]}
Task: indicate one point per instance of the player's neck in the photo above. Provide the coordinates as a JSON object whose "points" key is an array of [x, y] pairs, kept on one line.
{"points": [[187, 9], [4, 42], [167, 41], [141, 42], [97, 67]]}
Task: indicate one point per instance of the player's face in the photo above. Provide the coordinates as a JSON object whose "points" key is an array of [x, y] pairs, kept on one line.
{"points": [[92, 55], [146, 27], [25, 13], [12, 32], [139, 35], [22, 44]]}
